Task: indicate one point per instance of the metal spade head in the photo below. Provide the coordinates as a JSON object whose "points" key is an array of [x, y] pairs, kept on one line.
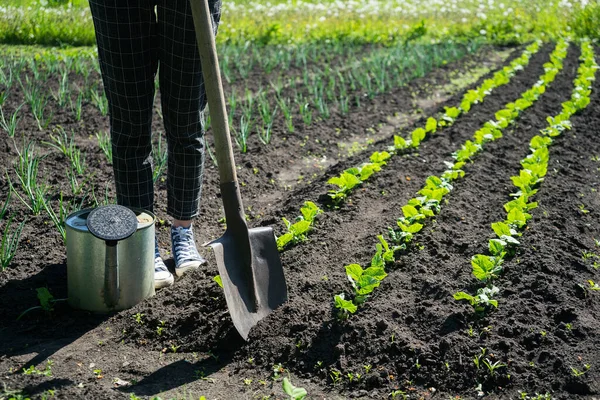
{"points": [[249, 266]]}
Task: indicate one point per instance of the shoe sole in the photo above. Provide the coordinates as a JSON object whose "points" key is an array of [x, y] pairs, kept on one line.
{"points": [[163, 283], [190, 265]]}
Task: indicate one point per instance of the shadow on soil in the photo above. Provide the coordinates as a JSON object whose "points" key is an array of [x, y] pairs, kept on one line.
{"points": [[40, 334]]}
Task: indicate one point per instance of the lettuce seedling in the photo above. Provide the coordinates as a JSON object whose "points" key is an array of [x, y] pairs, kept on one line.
{"points": [[295, 393], [345, 307], [431, 125], [380, 158], [497, 247], [406, 232], [345, 182], [517, 218], [364, 281], [486, 268], [411, 215], [467, 150], [520, 203], [417, 136], [483, 300], [400, 143], [505, 232], [296, 233], [488, 133], [538, 142], [449, 116], [309, 211], [525, 181], [387, 252]]}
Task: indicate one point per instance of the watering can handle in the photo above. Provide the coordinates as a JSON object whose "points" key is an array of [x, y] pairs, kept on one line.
{"points": [[111, 274]]}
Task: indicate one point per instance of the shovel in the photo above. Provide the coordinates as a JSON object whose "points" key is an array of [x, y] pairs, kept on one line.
{"points": [[248, 259]]}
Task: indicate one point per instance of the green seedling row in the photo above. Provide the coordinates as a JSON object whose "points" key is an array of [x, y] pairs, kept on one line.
{"points": [[353, 177], [429, 201], [488, 267]]}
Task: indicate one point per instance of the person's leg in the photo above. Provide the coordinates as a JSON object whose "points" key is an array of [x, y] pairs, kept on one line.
{"points": [[127, 45], [127, 50], [183, 99]]}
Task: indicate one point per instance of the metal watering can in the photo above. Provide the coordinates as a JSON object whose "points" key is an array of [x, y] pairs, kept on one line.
{"points": [[110, 258]]}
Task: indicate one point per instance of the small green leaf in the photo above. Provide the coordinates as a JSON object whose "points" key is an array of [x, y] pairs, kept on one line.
{"points": [[344, 304], [380, 157], [219, 281], [409, 211], [517, 217], [45, 297], [295, 393], [366, 285], [366, 171], [354, 272], [484, 267], [345, 181], [464, 296], [501, 229], [496, 246], [431, 125], [310, 211], [417, 136], [413, 228], [300, 228], [283, 240], [399, 143], [375, 272]]}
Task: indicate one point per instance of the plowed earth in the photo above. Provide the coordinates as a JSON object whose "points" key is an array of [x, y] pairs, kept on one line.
{"points": [[411, 332]]}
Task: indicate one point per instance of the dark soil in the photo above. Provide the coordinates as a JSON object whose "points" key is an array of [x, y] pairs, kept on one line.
{"points": [[411, 335]]}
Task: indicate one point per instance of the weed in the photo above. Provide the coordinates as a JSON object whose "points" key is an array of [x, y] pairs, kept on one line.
{"points": [[335, 375], [575, 372], [159, 157], [105, 145], [32, 370], [27, 172], [10, 124], [10, 242], [492, 367]]}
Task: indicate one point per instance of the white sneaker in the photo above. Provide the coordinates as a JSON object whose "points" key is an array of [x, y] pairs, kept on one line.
{"points": [[185, 253], [162, 275]]}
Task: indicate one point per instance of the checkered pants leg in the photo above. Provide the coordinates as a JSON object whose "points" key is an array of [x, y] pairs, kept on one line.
{"points": [[133, 38]]}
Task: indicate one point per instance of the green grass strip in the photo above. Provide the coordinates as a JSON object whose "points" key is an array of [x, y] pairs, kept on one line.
{"points": [[418, 209], [351, 178], [487, 268]]}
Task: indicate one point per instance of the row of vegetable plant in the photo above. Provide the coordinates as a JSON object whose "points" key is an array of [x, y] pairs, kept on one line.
{"points": [[488, 267], [429, 201], [314, 92], [325, 91], [353, 177]]}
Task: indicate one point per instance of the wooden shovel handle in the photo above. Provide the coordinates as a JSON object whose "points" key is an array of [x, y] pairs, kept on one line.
{"points": [[214, 89]]}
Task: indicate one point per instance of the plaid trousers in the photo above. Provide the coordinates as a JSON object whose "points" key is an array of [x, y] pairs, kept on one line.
{"points": [[134, 37]]}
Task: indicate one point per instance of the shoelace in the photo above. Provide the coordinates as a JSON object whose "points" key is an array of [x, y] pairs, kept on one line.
{"points": [[183, 244]]}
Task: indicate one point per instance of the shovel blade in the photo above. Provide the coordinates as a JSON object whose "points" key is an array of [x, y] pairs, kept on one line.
{"points": [[253, 280]]}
